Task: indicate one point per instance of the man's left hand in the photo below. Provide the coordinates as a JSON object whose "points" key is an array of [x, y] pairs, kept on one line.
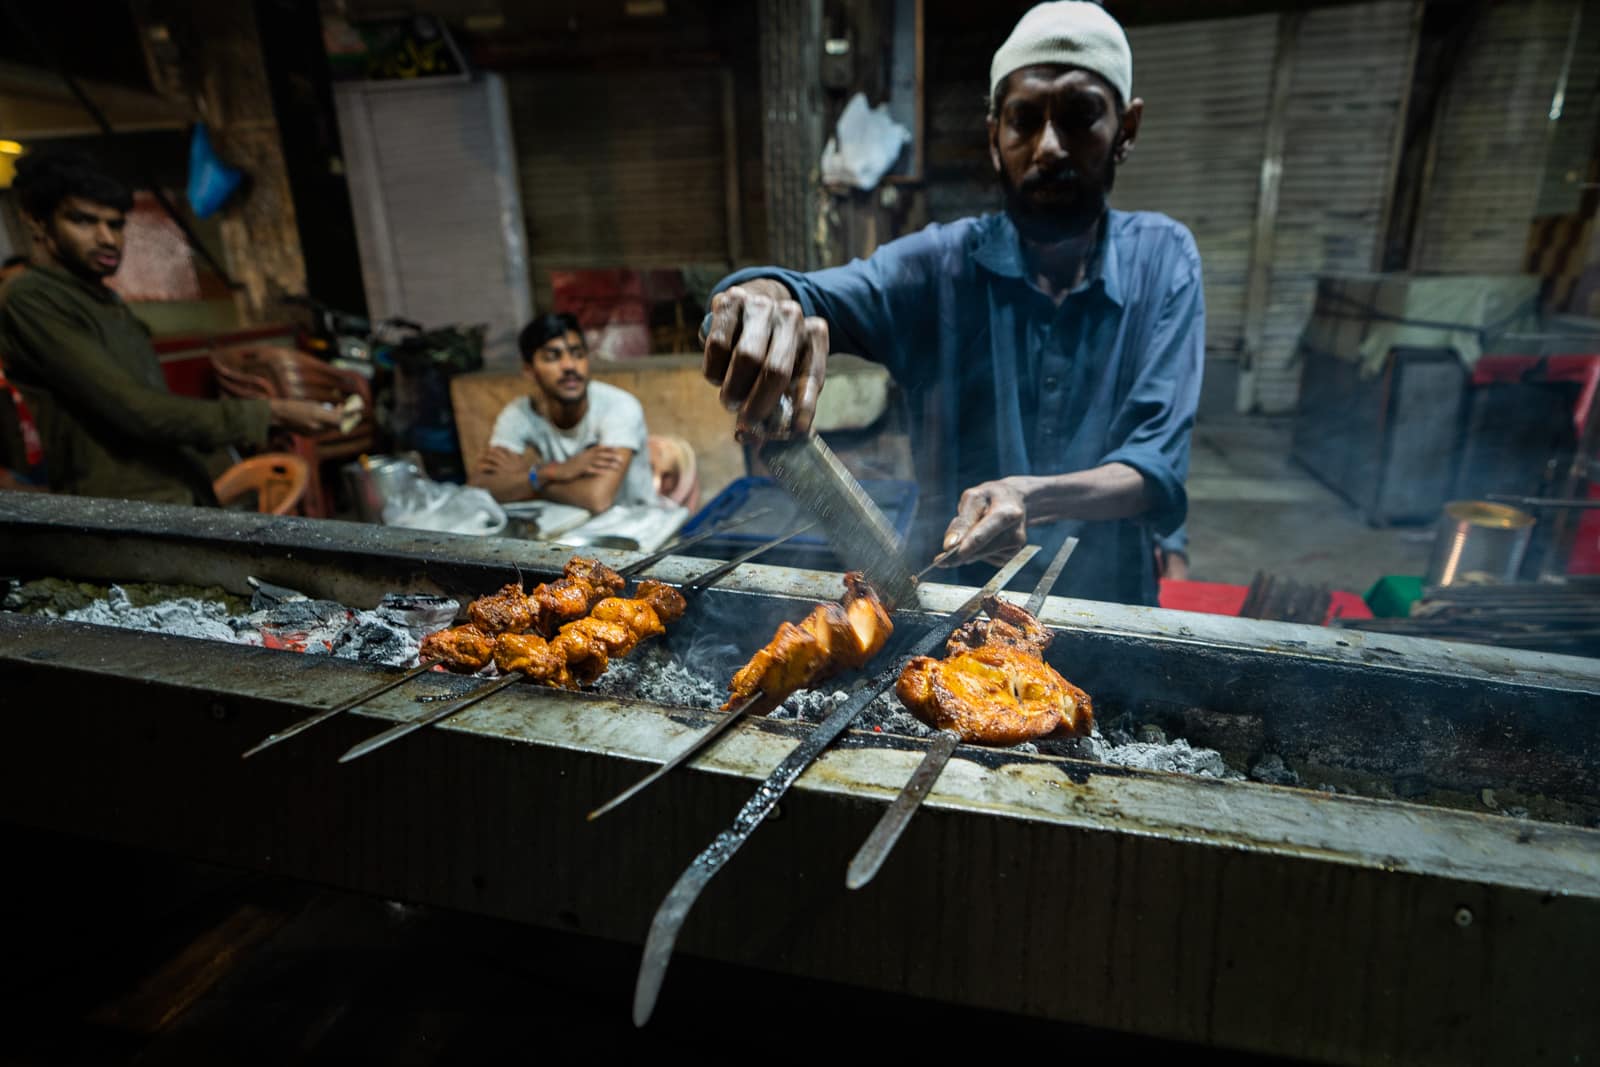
{"points": [[991, 523]]}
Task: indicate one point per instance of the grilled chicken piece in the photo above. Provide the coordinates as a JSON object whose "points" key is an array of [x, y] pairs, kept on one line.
{"points": [[589, 644], [532, 655], [507, 612], [636, 615], [587, 582], [994, 688], [668, 603], [1007, 624], [462, 648], [833, 638]]}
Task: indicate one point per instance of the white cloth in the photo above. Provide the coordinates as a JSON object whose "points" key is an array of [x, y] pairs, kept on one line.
{"points": [[1068, 33], [614, 419]]}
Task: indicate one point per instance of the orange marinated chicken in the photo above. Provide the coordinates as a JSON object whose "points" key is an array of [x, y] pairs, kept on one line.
{"points": [[668, 603], [833, 638], [532, 655], [462, 648], [994, 687], [637, 615], [577, 624], [588, 645], [510, 611]]}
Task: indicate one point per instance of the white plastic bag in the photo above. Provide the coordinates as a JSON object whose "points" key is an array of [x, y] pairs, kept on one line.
{"points": [[418, 503], [865, 145]]}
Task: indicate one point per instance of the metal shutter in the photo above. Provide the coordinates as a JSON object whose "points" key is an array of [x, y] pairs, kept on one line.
{"points": [[1492, 141], [1206, 88], [438, 220], [1348, 82], [622, 169]]}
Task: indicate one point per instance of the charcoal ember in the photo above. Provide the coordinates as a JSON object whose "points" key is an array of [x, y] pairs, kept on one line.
{"points": [[1152, 734], [371, 638], [52, 597], [1231, 733], [889, 715], [417, 613], [809, 705], [313, 626], [1271, 769], [1175, 756]]}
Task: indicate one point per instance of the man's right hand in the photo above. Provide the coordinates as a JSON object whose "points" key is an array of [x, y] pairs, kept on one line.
{"points": [[761, 346], [304, 416]]}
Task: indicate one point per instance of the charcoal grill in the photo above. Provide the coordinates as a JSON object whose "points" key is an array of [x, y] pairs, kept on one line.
{"points": [[1395, 919]]}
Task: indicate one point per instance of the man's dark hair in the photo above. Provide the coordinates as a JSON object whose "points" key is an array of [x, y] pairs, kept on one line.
{"points": [[14, 261], [44, 179], [538, 333]]}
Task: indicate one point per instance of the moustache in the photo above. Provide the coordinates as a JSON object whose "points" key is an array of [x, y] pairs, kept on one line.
{"points": [[1054, 181]]}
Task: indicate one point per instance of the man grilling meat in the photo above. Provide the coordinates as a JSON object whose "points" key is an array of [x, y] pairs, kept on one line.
{"points": [[1051, 353]]}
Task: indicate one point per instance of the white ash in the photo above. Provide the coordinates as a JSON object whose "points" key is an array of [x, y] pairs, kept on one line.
{"points": [[653, 673], [183, 616], [390, 634]]}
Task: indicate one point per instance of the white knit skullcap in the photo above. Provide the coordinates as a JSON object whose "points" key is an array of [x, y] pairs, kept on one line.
{"points": [[1068, 33]]}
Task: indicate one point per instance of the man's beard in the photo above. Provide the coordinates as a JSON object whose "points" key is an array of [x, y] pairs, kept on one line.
{"points": [[1047, 223]]}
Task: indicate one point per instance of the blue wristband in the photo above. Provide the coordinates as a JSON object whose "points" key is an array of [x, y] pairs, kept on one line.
{"points": [[533, 476]]}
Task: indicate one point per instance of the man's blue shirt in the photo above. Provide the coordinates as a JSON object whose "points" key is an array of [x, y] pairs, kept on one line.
{"points": [[1003, 381]]}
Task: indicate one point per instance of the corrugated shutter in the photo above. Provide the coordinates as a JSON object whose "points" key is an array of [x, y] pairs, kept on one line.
{"points": [[1351, 67], [437, 217], [1206, 88], [1492, 141], [622, 169]]}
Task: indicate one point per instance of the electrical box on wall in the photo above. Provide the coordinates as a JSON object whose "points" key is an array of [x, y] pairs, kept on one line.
{"points": [[838, 64]]}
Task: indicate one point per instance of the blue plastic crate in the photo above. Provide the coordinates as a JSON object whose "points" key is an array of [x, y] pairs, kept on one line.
{"points": [[897, 499]]}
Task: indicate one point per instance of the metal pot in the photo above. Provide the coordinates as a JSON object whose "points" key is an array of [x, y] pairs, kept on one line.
{"points": [[373, 481], [1478, 541]]}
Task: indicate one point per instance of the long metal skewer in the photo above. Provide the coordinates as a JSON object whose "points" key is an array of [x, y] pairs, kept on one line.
{"points": [[427, 665], [693, 748], [399, 730], [670, 916], [875, 849], [703, 740]]}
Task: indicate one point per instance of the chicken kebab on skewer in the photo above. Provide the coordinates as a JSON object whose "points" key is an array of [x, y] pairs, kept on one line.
{"points": [[993, 687], [562, 633], [542, 611], [834, 638]]}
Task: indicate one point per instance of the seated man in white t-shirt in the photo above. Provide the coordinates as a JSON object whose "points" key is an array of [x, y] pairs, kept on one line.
{"points": [[568, 440]]}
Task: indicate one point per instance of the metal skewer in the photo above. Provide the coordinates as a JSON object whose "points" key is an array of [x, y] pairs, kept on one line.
{"points": [[876, 848], [399, 730], [427, 665], [703, 741], [700, 743], [1544, 501], [670, 916]]}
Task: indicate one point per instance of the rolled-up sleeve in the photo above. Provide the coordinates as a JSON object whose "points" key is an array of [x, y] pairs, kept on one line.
{"points": [[876, 307], [1151, 429]]}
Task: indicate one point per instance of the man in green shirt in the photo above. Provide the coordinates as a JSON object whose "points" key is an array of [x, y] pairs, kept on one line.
{"points": [[85, 364]]}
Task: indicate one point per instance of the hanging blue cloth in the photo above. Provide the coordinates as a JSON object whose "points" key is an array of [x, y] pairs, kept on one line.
{"points": [[211, 181]]}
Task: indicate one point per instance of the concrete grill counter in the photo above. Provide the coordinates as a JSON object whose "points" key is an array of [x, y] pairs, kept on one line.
{"points": [[1395, 919]]}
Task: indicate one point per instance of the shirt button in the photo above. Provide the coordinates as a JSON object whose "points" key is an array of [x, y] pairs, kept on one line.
{"points": [[1050, 382]]}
